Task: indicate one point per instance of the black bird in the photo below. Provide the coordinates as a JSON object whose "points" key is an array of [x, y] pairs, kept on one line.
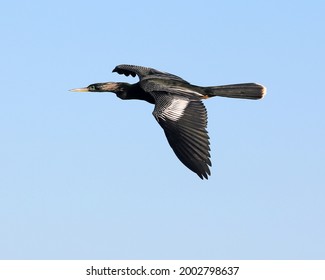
{"points": [[178, 108]]}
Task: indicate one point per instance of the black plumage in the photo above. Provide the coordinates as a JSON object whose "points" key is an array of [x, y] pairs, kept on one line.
{"points": [[178, 108]]}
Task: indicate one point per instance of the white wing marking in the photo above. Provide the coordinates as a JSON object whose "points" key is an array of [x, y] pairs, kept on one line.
{"points": [[175, 109]]}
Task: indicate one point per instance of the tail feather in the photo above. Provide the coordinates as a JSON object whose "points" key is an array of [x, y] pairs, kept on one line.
{"points": [[244, 91]]}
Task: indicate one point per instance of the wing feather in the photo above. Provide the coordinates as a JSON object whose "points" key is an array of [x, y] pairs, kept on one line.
{"points": [[143, 72], [187, 135]]}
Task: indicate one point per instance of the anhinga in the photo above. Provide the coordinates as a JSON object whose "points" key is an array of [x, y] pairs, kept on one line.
{"points": [[178, 108]]}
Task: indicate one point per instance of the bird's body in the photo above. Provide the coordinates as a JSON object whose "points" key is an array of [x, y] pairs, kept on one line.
{"points": [[178, 108]]}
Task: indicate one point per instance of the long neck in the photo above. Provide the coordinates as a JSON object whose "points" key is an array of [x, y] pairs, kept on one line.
{"points": [[133, 91]]}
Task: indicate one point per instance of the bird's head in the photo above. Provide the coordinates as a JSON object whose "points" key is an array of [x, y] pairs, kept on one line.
{"points": [[102, 87]]}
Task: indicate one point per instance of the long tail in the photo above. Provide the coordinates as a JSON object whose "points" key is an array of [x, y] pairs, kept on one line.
{"points": [[245, 91]]}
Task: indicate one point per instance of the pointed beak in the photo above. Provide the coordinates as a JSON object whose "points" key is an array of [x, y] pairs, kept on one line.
{"points": [[85, 89]]}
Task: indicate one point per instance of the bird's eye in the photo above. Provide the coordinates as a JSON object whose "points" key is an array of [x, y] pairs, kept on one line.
{"points": [[92, 87]]}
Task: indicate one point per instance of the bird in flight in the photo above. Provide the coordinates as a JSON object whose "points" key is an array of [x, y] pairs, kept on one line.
{"points": [[178, 108]]}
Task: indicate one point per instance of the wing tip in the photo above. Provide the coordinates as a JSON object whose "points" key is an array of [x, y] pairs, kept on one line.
{"points": [[204, 175], [122, 69], [205, 171]]}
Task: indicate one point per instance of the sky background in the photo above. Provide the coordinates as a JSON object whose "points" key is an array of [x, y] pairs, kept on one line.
{"points": [[89, 176]]}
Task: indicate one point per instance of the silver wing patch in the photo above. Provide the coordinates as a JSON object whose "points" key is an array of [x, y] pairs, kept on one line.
{"points": [[175, 110]]}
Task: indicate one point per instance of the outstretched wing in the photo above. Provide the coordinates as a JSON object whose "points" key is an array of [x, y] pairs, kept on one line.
{"points": [[184, 122], [143, 72]]}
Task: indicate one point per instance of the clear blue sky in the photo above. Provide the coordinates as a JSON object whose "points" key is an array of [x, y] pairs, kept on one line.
{"points": [[89, 176]]}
